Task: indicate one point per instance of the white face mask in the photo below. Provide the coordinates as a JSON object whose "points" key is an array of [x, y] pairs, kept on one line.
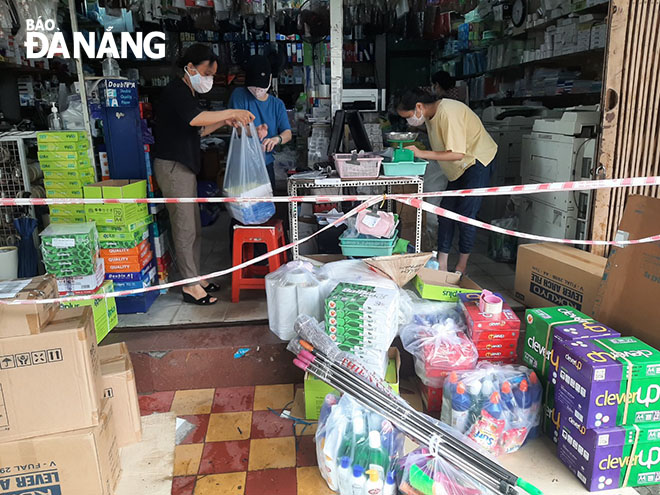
{"points": [[200, 83], [416, 121]]}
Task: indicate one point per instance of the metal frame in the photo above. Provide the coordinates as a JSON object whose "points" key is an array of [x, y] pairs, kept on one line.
{"points": [[18, 138], [294, 185]]}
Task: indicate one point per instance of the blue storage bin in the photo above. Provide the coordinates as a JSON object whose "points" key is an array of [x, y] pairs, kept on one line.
{"points": [[128, 305]]}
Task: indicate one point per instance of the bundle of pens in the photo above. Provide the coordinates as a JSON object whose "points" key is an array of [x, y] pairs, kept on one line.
{"points": [[318, 355]]}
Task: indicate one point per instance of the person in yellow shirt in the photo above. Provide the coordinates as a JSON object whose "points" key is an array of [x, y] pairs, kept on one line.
{"points": [[465, 152]]}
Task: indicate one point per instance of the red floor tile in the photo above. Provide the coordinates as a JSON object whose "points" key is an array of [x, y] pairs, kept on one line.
{"points": [[305, 451], [183, 485], [233, 399], [271, 482], [225, 457], [158, 402], [266, 424], [201, 422]]}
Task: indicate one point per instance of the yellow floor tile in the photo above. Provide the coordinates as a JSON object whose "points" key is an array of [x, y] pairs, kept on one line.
{"points": [[310, 482], [272, 453], [225, 427], [273, 396], [187, 458], [221, 484], [309, 431], [187, 402]]}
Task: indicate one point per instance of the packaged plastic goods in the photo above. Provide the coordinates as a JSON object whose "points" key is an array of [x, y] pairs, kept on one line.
{"points": [[294, 289], [425, 474], [438, 350], [496, 406], [70, 250], [363, 320], [357, 450]]}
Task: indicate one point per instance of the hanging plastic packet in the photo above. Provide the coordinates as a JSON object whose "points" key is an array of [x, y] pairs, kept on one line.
{"points": [[496, 406], [357, 450], [424, 474]]}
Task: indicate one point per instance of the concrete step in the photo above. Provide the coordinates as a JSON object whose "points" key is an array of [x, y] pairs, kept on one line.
{"points": [[191, 358]]}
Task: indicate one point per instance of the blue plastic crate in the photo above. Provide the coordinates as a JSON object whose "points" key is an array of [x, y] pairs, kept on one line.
{"points": [[404, 169], [128, 305]]}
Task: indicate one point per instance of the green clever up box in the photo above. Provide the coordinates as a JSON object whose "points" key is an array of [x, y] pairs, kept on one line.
{"points": [[104, 310], [316, 389], [110, 214], [70, 250]]}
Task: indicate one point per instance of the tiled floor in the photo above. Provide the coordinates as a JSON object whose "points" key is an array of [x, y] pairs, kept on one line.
{"points": [[238, 445]]}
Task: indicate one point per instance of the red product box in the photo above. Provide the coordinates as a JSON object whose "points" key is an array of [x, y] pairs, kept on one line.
{"points": [[478, 321], [432, 398], [497, 345], [512, 360], [497, 354], [491, 335]]}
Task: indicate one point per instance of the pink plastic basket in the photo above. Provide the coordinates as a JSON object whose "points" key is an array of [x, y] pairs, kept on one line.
{"points": [[368, 168]]}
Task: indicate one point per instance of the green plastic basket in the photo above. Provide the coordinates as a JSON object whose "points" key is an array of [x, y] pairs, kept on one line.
{"points": [[367, 247], [402, 169]]}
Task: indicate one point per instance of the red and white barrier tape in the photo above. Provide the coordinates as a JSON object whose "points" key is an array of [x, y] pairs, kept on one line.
{"points": [[413, 200], [133, 292], [585, 185], [437, 210]]}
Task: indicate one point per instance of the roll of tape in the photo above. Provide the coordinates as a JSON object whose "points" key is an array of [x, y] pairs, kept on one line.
{"points": [[490, 303], [8, 262]]}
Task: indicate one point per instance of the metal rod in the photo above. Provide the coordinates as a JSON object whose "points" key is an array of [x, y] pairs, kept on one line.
{"points": [[417, 434], [409, 413]]}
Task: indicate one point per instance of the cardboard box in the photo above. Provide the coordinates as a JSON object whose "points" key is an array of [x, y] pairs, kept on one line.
{"points": [[316, 390], [59, 136], [401, 268], [556, 275], [480, 325], [137, 250], [630, 290], [431, 398], [81, 462], [608, 458], [609, 382], [117, 189], [119, 388], [443, 286], [81, 145], [50, 382], [130, 267], [27, 319]]}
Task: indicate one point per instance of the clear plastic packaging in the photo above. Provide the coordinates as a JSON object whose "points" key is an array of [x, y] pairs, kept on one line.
{"points": [[294, 289], [424, 474], [247, 177], [356, 272], [496, 406], [439, 349], [418, 311], [357, 450]]}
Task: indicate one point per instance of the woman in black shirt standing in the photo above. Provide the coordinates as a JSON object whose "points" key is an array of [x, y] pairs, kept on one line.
{"points": [[180, 122]]}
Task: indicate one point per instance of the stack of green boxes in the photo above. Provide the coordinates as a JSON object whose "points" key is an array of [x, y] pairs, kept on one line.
{"points": [[65, 159], [124, 240], [105, 310]]}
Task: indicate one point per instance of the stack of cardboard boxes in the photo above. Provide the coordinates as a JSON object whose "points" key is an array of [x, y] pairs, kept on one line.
{"points": [[67, 166], [601, 397], [58, 434], [124, 240]]}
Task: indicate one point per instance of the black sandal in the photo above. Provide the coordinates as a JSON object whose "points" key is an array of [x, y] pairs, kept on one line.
{"points": [[211, 288], [204, 301]]}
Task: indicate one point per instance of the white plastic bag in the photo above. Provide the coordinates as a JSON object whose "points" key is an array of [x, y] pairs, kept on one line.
{"points": [[294, 289], [247, 177]]}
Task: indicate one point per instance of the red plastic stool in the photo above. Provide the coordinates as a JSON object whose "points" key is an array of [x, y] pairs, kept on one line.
{"points": [[245, 237]]}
